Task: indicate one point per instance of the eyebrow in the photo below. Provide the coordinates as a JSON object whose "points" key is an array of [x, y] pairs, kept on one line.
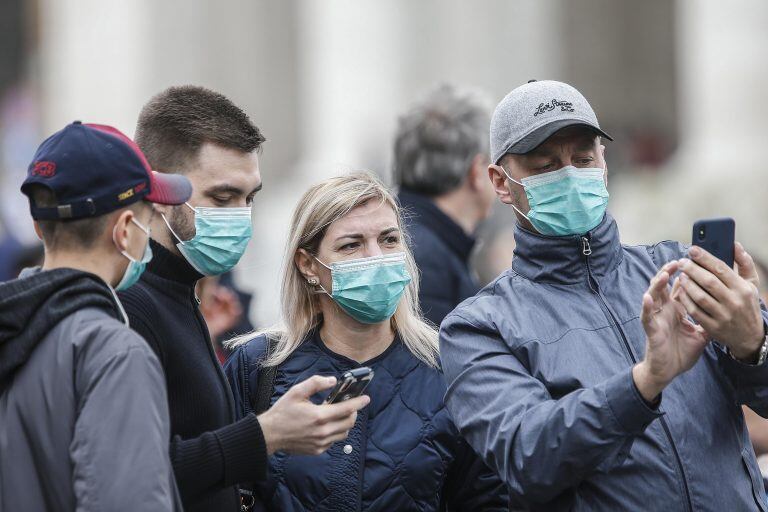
{"points": [[360, 236], [230, 189]]}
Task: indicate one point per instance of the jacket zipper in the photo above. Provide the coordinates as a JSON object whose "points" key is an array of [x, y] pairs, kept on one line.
{"points": [[586, 250]]}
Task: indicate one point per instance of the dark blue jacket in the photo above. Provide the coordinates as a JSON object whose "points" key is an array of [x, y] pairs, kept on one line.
{"points": [[404, 451], [441, 249], [539, 381]]}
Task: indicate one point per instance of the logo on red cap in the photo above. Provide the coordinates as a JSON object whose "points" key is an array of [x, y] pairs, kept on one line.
{"points": [[44, 169]]}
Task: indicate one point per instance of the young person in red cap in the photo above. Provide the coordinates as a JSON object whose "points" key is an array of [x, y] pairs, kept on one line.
{"points": [[83, 411]]}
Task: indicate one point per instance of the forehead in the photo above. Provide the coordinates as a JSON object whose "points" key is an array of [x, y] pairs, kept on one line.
{"points": [[576, 136], [216, 165], [371, 217]]}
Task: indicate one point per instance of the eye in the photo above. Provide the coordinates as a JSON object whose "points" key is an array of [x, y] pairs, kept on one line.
{"points": [[249, 200], [221, 200], [391, 239], [543, 168], [350, 246], [585, 160]]}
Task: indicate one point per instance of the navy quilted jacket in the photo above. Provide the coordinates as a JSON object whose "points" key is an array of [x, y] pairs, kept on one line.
{"points": [[404, 453]]}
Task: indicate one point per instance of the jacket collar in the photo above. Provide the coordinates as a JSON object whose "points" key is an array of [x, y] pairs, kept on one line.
{"points": [[426, 212], [562, 260], [167, 265]]}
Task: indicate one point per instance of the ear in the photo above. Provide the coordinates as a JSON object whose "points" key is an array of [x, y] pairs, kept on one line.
{"points": [[306, 264], [499, 181], [120, 232], [605, 164]]}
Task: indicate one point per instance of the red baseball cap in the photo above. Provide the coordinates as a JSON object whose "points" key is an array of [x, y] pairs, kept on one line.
{"points": [[95, 169]]}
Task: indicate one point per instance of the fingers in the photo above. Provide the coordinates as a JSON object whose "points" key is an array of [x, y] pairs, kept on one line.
{"points": [[712, 283], [713, 265], [701, 298], [312, 385], [658, 288], [647, 313], [695, 312], [343, 409], [745, 265]]}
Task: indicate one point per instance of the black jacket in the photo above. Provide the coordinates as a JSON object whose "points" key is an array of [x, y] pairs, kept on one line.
{"points": [[441, 249], [83, 411], [210, 451]]}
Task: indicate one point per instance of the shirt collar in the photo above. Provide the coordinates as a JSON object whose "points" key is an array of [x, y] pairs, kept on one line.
{"points": [[563, 260], [426, 212]]}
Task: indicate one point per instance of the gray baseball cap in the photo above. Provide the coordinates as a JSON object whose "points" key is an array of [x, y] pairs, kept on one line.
{"points": [[530, 114]]}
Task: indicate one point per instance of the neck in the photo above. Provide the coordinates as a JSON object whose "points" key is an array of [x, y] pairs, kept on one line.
{"points": [[461, 208], [351, 339], [89, 261], [162, 235]]}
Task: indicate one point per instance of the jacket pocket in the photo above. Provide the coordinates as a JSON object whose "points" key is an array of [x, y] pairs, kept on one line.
{"points": [[758, 488]]}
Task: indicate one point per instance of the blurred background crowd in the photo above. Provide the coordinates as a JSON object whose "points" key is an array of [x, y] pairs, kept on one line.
{"points": [[679, 84]]}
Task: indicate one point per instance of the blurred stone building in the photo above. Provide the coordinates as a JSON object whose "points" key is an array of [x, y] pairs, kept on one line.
{"points": [[679, 84]]}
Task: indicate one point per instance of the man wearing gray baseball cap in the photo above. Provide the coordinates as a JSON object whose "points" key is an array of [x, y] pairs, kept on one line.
{"points": [[578, 374]]}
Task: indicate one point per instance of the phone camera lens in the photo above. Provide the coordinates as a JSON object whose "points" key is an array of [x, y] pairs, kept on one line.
{"points": [[702, 233]]}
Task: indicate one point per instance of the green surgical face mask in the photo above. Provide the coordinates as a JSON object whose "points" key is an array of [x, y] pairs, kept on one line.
{"points": [[221, 237], [135, 267], [369, 289], [569, 201]]}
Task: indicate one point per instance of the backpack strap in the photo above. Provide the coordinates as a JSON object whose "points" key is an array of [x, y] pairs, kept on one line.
{"points": [[266, 383]]}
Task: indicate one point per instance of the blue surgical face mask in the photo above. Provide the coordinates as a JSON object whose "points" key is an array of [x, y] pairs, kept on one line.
{"points": [[569, 201], [369, 289], [221, 236], [135, 267]]}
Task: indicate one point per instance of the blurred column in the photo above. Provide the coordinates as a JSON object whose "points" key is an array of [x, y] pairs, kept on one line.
{"points": [[361, 63], [93, 61], [719, 168]]}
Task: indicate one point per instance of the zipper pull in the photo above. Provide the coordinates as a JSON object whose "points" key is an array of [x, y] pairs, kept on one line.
{"points": [[586, 250]]}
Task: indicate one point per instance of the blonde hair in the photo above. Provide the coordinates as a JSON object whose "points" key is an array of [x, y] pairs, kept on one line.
{"points": [[322, 205]]}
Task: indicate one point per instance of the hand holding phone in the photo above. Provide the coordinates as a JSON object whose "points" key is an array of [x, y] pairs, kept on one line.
{"points": [[351, 384]]}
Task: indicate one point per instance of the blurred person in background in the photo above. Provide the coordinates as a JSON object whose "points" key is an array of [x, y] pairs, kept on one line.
{"points": [[199, 133], [441, 168], [83, 410], [224, 308], [578, 375], [349, 292]]}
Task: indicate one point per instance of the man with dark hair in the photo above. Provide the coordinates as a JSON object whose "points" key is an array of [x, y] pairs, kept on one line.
{"points": [[83, 410], [200, 133], [441, 161]]}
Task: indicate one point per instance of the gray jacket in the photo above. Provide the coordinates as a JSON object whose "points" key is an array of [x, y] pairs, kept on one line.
{"points": [[539, 371], [83, 412]]}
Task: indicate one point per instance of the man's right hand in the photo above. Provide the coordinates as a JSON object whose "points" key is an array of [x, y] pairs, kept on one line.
{"points": [[673, 342], [296, 425]]}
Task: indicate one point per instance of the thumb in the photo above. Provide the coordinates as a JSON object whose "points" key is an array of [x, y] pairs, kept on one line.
{"points": [[312, 385], [745, 264]]}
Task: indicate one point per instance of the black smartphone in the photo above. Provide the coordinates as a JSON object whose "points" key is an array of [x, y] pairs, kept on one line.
{"points": [[351, 384], [716, 236]]}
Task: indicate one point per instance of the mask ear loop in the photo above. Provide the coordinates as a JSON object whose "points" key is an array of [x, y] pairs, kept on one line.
{"points": [[124, 252], [510, 178], [318, 285], [169, 225]]}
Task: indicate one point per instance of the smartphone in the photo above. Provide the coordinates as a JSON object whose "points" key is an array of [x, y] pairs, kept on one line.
{"points": [[351, 384], [716, 236]]}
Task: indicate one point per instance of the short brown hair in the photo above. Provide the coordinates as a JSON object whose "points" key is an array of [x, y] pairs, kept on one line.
{"points": [[65, 234], [175, 123]]}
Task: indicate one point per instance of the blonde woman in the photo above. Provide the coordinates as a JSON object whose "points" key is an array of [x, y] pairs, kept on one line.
{"points": [[348, 299]]}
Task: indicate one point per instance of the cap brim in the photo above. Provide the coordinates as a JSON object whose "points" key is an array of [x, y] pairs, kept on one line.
{"points": [[168, 189], [538, 136]]}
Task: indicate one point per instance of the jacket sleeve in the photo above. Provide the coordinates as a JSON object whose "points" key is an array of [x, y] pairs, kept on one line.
{"points": [[119, 449], [540, 446], [233, 454], [749, 381], [472, 485]]}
